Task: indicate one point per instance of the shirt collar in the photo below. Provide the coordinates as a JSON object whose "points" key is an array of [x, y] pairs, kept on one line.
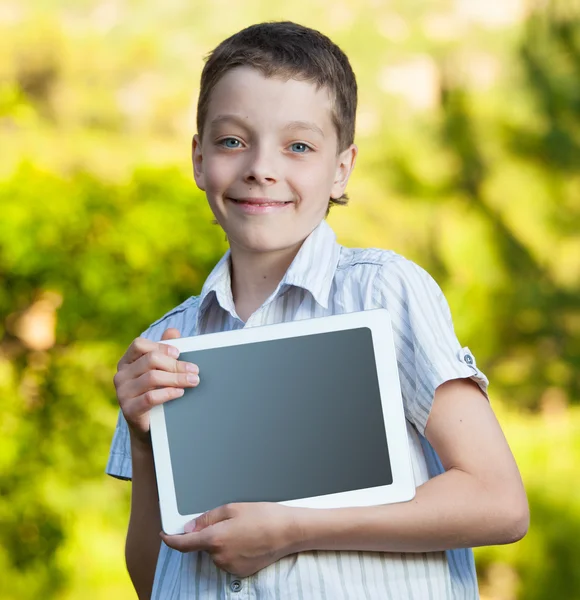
{"points": [[314, 266], [312, 269], [218, 282]]}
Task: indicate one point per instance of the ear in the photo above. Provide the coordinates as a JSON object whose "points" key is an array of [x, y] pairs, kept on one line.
{"points": [[345, 162], [197, 161]]}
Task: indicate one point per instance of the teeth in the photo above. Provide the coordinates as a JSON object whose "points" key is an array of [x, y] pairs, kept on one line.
{"points": [[260, 204]]}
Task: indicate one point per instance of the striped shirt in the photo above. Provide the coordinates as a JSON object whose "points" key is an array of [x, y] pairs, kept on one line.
{"points": [[324, 279]]}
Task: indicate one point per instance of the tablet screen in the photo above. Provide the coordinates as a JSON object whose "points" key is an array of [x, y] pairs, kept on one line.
{"points": [[279, 420]]}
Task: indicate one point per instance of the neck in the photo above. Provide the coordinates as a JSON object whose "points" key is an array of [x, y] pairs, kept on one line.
{"points": [[255, 275]]}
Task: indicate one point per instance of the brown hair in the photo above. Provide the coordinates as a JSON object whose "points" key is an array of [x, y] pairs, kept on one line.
{"points": [[286, 49]]}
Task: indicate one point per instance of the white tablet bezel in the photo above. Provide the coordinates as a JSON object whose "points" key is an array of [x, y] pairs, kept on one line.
{"points": [[378, 321]]}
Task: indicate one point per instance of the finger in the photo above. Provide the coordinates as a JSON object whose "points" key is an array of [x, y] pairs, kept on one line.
{"points": [[187, 542], [127, 381], [158, 361], [142, 404], [211, 517], [171, 334], [153, 381], [141, 346], [138, 347], [161, 379]]}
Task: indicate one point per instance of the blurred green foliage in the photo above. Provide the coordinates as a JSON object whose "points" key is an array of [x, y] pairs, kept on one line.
{"points": [[111, 259], [544, 564], [469, 137]]}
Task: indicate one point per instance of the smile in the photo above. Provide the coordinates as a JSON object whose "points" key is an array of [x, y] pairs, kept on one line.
{"points": [[259, 202], [259, 206]]}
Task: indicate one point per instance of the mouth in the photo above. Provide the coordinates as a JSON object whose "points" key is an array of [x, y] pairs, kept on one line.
{"points": [[259, 202]]}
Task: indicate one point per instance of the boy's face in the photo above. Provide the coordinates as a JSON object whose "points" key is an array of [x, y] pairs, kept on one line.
{"points": [[268, 159]]}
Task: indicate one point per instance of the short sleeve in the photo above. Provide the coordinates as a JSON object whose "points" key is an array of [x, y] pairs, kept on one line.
{"points": [[119, 464], [428, 351]]}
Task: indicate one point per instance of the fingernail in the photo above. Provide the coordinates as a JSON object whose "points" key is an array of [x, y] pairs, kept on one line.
{"points": [[191, 368], [173, 352], [189, 527], [193, 379]]}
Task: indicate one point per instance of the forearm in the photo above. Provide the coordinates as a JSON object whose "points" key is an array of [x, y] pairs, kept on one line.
{"points": [[143, 541], [452, 510]]}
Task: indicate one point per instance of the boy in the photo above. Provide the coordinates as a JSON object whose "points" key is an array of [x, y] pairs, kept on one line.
{"points": [[275, 141]]}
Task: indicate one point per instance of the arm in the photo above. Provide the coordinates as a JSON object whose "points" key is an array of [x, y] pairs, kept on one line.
{"points": [[142, 544], [479, 500], [148, 374]]}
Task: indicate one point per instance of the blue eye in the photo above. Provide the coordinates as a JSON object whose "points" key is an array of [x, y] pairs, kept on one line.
{"points": [[299, 148], [230, 143]]}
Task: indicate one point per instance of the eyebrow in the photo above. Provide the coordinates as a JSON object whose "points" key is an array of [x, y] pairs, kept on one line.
{"points": [[292, 126], [227, 119], [295, 125]]}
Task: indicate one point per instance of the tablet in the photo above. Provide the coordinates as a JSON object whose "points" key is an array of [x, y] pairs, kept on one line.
{"points": [[305, 413]]}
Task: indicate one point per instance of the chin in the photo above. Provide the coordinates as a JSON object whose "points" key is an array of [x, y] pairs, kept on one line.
{"points": [[264, 241], [266, 244]]}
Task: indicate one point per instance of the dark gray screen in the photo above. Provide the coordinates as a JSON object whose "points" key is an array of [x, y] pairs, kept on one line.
{"points": [[279, 420]]}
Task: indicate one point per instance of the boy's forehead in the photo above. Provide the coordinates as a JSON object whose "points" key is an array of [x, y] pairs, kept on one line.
{"points": [[247, 93]]}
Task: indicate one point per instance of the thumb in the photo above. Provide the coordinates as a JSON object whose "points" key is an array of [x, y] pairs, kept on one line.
{"points": [[171, 334], [211, 517]]}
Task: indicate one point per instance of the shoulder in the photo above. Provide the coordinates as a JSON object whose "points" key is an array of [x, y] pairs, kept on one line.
{"points": [[190, 304], [404, 287], [408, 275], [392, 281], [387, 267], [182, 317], [353, 257]]}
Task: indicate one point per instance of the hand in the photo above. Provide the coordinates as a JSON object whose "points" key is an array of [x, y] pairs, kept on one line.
{"points": [[149, 374], [241, 538]]}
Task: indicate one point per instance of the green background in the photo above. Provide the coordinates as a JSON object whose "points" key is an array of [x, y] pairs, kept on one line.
{"points": [[469, 137]]}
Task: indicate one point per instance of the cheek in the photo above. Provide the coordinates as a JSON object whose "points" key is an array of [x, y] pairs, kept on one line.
{"points": [[219, 172], [315, 179]]}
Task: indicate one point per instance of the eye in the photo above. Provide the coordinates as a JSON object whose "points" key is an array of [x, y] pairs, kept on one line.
{"points": [[300, 147], [230, 142]]}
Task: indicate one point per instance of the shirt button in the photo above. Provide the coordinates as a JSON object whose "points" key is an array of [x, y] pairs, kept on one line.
{"points": [[468, 359], [236, 585]]}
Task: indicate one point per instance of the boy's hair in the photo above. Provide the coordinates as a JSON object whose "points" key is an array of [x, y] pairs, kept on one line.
{"points": [[292, 51]]}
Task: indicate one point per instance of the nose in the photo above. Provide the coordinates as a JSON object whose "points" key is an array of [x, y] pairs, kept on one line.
{"points": [[261, 168]]}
